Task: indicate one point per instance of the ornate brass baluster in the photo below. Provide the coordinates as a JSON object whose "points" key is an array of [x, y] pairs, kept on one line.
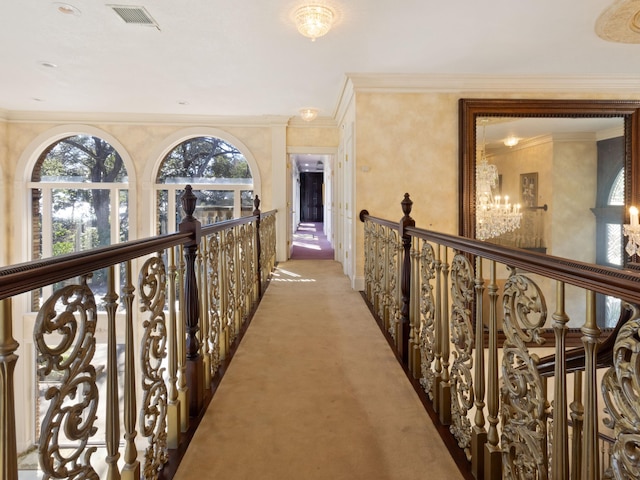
{"points": [[224, 297], [414, 312], [153, 415], [577, 418], [113, 402], [8, 359], [621, 393], [173, 408], [203, 289], [479, 433], [445, 384], [183, 389], [462, 338], [590, 334], [131, 468], [560, 454], [73, 404], [492, 453], [437, 405], [428, 318]]}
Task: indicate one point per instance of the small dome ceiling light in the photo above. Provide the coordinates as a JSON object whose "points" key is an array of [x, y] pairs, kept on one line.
{"points": [[308, 114], [314, 20], [67, 9], [511, 141]]}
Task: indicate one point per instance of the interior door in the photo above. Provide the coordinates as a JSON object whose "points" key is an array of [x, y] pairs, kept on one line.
{"points": [[311, 201]]}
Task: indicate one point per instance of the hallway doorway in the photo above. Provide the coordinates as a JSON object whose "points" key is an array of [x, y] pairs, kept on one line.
{"points": [[312, 197]]}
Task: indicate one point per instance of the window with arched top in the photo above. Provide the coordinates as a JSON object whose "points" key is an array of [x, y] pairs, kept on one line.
{"points": [[79, 191], [219, 174]]}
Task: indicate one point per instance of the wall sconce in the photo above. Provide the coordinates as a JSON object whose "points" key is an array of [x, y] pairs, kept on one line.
{"points": [[632, 231]]}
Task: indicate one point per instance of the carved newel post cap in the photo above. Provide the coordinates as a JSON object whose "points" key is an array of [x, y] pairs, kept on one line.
{"points": [[407, 203], [256, 204], [188, 200]]}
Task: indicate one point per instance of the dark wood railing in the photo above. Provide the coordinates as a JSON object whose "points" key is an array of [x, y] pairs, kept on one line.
{"points": [[476, 360], [182, 332]]}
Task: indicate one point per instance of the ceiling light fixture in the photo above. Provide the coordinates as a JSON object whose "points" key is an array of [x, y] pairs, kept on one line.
{"points": [[314, 20], [511, 141], [308, 114], [67, 9]]}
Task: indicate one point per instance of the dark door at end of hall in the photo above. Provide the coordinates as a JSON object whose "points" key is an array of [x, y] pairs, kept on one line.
{"points": [[311, 206]]}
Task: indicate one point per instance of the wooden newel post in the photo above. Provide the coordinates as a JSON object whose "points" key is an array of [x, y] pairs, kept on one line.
{"points": [[405, 285], [256, 212], [191, 307]]}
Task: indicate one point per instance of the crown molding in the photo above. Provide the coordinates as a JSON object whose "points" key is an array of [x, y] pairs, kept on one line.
{"points": [[417, 83], [150, 119]]}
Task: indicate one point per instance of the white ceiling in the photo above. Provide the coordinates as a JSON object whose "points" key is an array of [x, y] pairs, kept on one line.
{"points": [[245, 58]]}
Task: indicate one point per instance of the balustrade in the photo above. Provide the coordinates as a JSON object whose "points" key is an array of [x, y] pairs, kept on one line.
{"points": [[196, 291], [482, 346]]}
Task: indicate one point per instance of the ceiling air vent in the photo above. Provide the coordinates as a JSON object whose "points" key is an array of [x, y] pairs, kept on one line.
{"points": [[135, 15]]}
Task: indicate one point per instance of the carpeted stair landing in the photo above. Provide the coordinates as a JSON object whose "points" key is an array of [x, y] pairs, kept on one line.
{"points": [[314, 392]]}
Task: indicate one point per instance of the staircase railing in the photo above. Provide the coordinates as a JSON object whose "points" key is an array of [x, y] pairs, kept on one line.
{"points": [[470, 321], [166, 336]]}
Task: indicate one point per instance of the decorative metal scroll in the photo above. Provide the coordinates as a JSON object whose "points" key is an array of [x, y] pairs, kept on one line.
{"points": [[64, 337], [462, 339], [391, 300], [427, 337], [213, 257], [229, 265], [153, 414], [523, 402], [379, 280], [369, 258], [621, 392], [242, 291]]}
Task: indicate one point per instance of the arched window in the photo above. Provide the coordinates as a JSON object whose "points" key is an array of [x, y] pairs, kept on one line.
{"points": [[80, 199], [219, 174]]}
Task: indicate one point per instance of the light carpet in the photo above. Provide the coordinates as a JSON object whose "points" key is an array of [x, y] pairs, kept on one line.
{"points": [[314, 392]]}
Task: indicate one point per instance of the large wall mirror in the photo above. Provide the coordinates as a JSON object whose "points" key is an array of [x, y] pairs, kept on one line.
{"points": [[568, 167]]}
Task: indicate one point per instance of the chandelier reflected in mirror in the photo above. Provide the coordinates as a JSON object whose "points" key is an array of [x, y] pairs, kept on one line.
{"points": [[494, 214]]}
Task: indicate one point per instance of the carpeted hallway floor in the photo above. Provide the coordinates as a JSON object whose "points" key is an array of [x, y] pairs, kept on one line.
{"points": [[314, 392]]}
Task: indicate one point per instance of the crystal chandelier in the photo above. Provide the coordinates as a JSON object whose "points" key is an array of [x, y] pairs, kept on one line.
{"points": [[314, 20], [494, 215]]}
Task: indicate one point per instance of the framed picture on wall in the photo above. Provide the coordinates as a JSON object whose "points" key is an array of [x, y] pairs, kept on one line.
{"points": [[529, 189]]}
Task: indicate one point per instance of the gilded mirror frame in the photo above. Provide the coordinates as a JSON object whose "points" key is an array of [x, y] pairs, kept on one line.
{"points": [[471, 109]]}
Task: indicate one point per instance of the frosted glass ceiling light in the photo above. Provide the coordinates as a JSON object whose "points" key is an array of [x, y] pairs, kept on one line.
{"points": [[314, 20], [308, 114]]}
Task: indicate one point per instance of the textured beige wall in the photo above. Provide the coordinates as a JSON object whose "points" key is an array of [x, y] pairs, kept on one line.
{"points": [[315, 136]]}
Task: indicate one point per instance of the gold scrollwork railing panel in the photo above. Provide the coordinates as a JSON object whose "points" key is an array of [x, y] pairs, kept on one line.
{"points": [[392, 305], [64, 335], [427, 318], [213, 259], [369, 258], [230, 285], [153, 413], [621, 393], [462, 339], [523, 396]]}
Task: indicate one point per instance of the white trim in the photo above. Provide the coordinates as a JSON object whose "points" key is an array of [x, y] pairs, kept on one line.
{"points": [[120, 118], [492, 83]]}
